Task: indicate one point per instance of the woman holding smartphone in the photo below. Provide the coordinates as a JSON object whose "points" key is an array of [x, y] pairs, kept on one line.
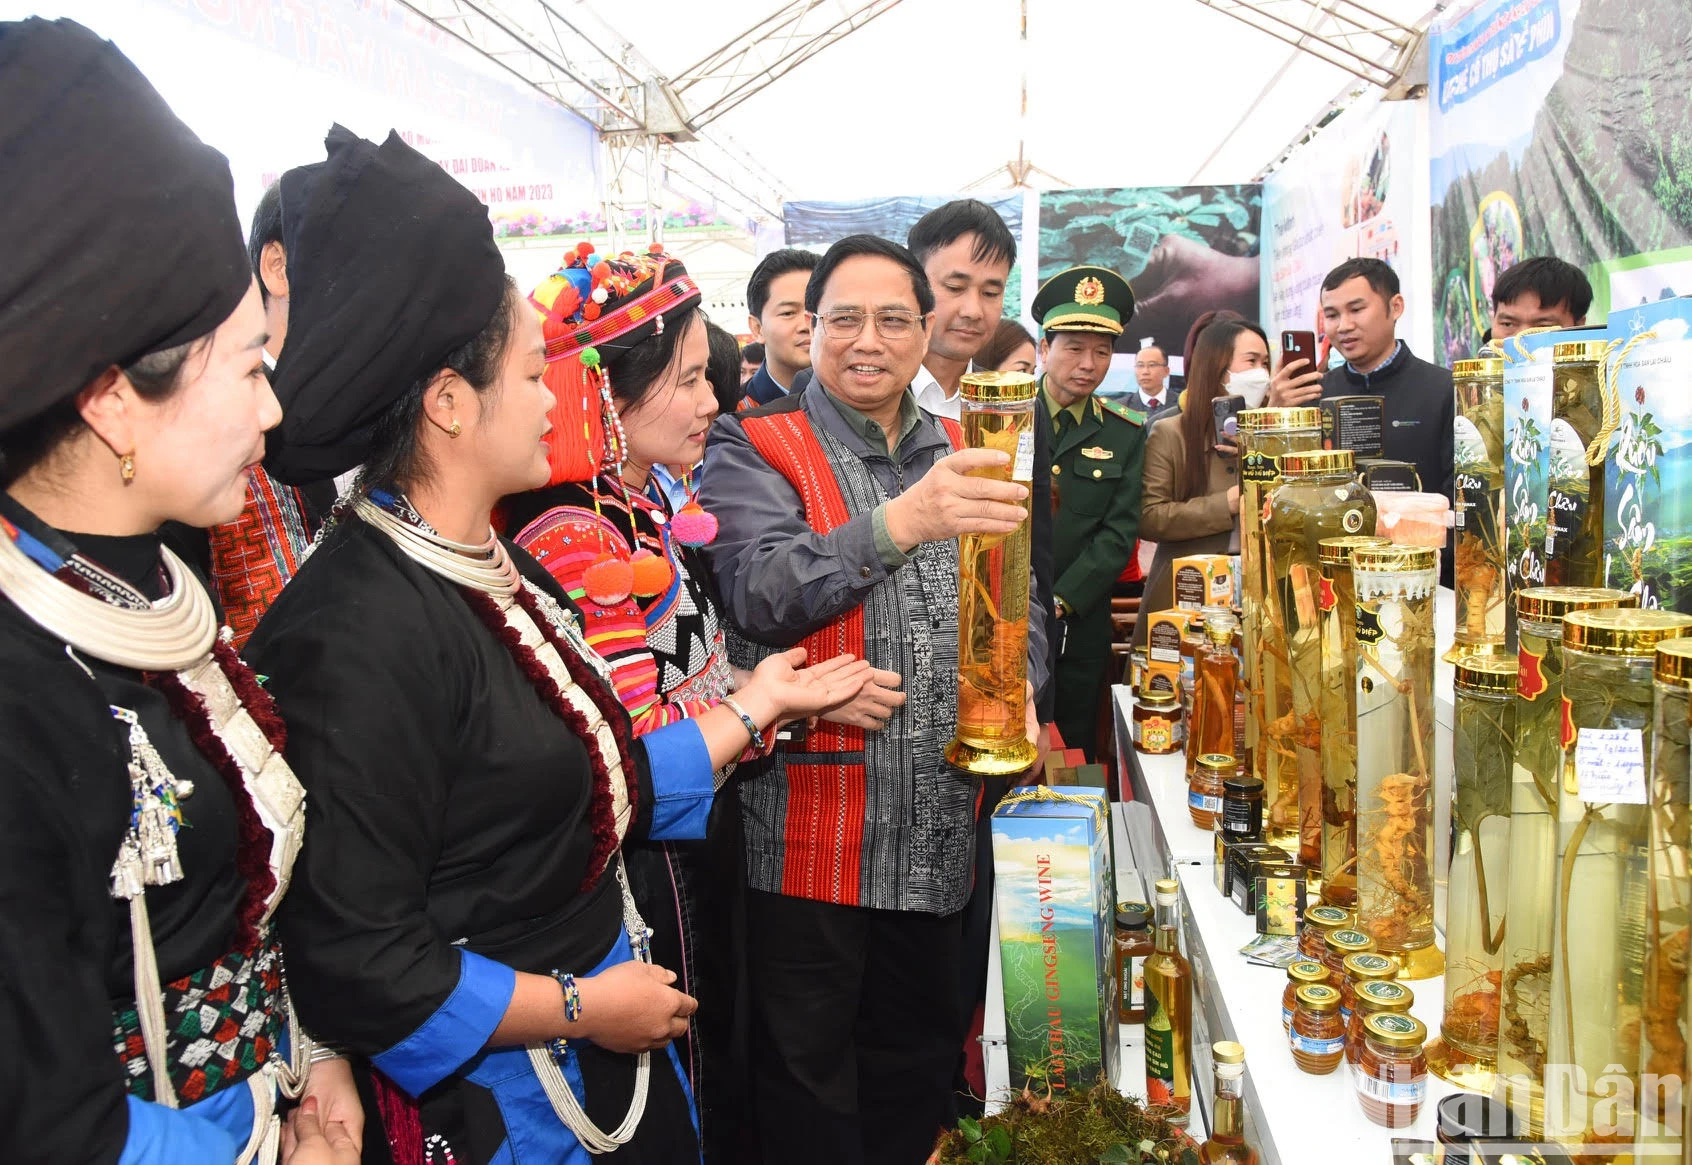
{"points": [[1191, 503]]}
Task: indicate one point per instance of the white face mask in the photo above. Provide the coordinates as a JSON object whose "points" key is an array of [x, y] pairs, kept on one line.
{"points": [[1250, 383]]}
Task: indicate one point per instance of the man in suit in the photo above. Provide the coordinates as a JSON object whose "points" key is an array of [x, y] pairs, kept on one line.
{"points": [[775, 301], [1098, 450], [1151, 381]]}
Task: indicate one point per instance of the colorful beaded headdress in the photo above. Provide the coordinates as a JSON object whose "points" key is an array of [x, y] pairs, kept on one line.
{"points": [[593, 308]]}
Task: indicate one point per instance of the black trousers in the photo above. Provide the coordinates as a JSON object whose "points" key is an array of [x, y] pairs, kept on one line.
{"points": [[855, 1030]]}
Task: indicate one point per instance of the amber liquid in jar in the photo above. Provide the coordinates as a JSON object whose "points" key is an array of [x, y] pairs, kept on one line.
{"points": [[1371, 998], [1205, 789], [1318, 1032], [1158, 726], [1319, 922], [1299, 974], [1133, 943], [1392, 1073], [1362, 968], [1341, 943]]}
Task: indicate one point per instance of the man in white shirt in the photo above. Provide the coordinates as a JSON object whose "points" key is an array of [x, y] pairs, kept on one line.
{"points": [[968, 252]]}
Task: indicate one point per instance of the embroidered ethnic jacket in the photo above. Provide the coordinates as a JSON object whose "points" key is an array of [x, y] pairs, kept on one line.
{"points": [[873, 819]]}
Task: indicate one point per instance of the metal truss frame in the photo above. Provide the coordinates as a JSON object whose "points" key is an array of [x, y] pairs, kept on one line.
{"points": [[1348, 35]]}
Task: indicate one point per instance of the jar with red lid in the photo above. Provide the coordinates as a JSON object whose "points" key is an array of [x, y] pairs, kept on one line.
{"points": [[1372, 997], [1299, 974], [1341, 943], [1319, 922], [1362, 968], [1318, 1034], [1392, 1073]]}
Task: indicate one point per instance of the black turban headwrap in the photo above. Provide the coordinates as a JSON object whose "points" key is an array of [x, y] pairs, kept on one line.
{"points": [[118, 231], [391, 266]]}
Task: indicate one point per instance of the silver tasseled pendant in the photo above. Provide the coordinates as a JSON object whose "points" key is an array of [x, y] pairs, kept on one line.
{"points": [[148, 855]]}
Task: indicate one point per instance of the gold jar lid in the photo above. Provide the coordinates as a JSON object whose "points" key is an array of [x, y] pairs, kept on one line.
{"points": [[1487, 673], [1326, 918], [1369, 966], [1579, 352], [992, 387], [1157, 701], [1674, 662], [1548, 604], [1274, 420], [1318, 463], [1622, 632], [1349, 942], [1393, 559], [1305, 971], [1227, 1052], [1337, 551], [1218, 762], [1392, 1030], [1383, 995], [1318, 997], [1481, 368]]}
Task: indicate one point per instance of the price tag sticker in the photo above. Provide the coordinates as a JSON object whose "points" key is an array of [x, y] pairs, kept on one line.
{"points": [[1023, 469], [1610, 766]]}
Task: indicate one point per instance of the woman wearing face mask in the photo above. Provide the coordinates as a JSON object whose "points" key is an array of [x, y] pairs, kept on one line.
{"points": [[1191, 503]]}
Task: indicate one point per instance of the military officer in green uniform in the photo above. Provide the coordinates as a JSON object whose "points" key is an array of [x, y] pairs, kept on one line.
{"points": [[1098, 450]]}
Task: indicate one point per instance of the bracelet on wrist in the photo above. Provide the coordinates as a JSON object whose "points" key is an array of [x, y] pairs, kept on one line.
{"points": [[572, 994], [750, 725]]}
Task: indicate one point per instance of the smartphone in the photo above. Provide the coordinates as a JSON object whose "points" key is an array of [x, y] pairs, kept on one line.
{"points": [[1227, 410], [1299, 346]]}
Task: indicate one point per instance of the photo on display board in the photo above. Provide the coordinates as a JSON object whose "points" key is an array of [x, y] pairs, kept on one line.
{"points": [[1184, 249]]}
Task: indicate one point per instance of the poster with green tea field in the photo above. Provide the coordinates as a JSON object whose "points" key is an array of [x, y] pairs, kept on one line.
{"points": [[1054, 945], [1648, 478]]}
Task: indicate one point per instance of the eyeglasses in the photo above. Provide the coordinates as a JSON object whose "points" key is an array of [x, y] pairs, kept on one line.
{"points": [[848, 325]]}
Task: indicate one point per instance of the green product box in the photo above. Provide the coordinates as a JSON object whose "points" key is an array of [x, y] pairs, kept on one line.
{"points": [[1648, 473], [1056, 895]]}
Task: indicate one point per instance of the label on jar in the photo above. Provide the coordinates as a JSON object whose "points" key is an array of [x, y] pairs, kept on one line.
{"points": [[1369, 629], [1237, 817], [1260, 467], [1286, 1017], [1610, 766], [1203, 802], [1317, 1047], [1023, 469], [1530, 673], [1352, 521], [1325, 599], [1155, 734], [1391, 1092], [1134, 983]]}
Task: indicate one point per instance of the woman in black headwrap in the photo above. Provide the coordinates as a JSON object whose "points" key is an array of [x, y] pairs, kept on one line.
{"points": [[149, 822], [462, 914]]}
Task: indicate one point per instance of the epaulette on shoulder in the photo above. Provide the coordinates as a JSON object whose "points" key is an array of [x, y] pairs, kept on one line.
{"points": [[1123, 411]]}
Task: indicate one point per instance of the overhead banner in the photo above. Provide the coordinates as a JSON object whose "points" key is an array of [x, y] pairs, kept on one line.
{"points": [[1354, 190], [1558, 127], [263, 80]]}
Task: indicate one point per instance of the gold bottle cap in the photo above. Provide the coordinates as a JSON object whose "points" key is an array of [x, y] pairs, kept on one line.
{"points": [[1547, 604], [1349, 941], [997, 387], [1393, 1030], [1393, 559], [1318, 997], [1168, 889], [1579, 352], [1305, 971], [1327, 917], [1368, 966], [1383, 995], [1337, 551], [1622, 632], [1276, 420], [1482, 368], [1227, 1052], [1158, 701], [1674, 662], [1318, 462], [1487, 673], [1218, 762]]}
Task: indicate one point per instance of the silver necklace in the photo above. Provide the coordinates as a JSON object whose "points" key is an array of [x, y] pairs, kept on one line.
{"points": [[485, 566]]}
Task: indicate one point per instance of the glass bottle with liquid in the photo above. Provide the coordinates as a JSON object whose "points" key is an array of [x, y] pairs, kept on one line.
{"points": [[1319, 497], [1603, 831], [1574, 525], [1133, 946], [1536, 775], [1169, 1010], [1395, 756], [1227, 1144], [1338, 602], [1484, 742], [1478, 452], [1216, 673], [1266, 436]]}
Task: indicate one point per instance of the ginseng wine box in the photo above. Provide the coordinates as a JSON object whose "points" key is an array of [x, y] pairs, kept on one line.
{"points": [[1165, 665], [1056, 896], [1202, 580]]}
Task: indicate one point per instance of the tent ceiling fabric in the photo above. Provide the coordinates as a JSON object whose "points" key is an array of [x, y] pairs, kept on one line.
{"points": [[925, 99]]}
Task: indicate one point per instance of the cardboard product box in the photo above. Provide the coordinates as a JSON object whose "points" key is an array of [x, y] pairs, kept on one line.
{"points": [[1056, 895], [1279, 895], [1648, 476], [1090, 776], [1354, 423], [1244, 858], [1384, 475], [1164, 662], [1527, 456], [1202, 580]]}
